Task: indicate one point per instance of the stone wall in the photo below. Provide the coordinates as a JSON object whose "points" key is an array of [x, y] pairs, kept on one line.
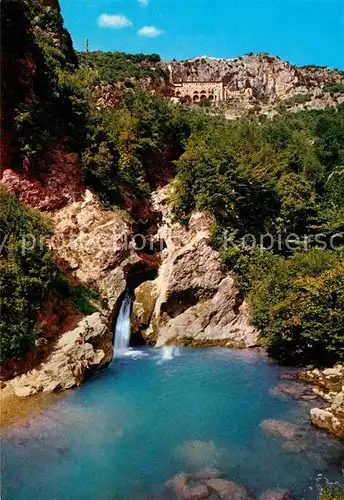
{"points": [[197, 91]]}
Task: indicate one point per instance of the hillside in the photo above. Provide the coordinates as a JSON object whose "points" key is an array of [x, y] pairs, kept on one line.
{"points": [[261, 83], [268, 76], [251, 84]]}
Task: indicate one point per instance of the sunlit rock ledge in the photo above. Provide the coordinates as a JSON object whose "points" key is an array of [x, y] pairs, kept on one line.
{"points": [[329, 386]]}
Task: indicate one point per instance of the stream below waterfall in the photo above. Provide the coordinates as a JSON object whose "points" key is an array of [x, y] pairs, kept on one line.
{"points": [[157, 413]]}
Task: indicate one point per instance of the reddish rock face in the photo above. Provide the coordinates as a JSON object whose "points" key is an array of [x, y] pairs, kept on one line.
{"points": [[50, 190], [23, 66], [18, 66]]}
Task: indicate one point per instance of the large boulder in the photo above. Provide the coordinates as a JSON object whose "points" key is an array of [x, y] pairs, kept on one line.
{"points": [[331, 418], [205, 484], [192, 301], [94, 245], [280, 428], [278, 494], [76, 355]]}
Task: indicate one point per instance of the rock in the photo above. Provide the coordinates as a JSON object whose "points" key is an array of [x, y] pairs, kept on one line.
{"points": [[294, 446], [337, 405], [94, 243], [227, 490], [280, 428], [192, 302], [330, 388], [328, 379], [50, 190], [77, 353], [256, 82], [24, 392], [278, 494], [205, 485], [328, 419], [293, 389], [144, 303]]}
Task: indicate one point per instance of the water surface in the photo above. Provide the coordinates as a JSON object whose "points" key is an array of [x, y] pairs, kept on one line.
{"points": [[157, 413]]}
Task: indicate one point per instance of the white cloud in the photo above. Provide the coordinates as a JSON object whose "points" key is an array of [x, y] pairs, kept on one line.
{"points": [[113, 21], [149, 31], [143, 3]]}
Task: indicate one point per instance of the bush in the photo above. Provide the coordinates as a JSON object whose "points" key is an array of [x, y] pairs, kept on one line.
{"points": [[82, 296], [298, 305], [330, 490], [296, 99], [119, 66], [334, 88], [133, 146], [25, 276]]}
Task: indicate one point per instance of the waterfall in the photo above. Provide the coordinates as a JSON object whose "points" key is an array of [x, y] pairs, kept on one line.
{"points": [[168, 353], [122, 327]]}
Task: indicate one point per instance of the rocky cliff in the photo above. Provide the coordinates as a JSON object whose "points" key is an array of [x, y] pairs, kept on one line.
{"points": [[267, 76], [94, 248], [253, 83], [192, 301]]}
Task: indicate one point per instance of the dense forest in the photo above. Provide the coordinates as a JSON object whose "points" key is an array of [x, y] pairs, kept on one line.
{"points": [[257, 176]]}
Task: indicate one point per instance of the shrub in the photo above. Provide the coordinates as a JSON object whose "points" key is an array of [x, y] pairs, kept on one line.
{"points": [[119, 66], [133, 146], [297, 99], [299, 308], [25, 277], [334, 88]]}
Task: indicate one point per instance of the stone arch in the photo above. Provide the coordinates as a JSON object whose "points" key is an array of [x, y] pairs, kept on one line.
{"points": [[178, 94], [203, 96], [195, 97]]}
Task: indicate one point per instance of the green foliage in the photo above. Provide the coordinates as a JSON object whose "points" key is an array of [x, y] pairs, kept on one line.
{"points": [[313, 66], [254, 175], [334, 187], [276, 177], [332, 491], [334, 88], [296, 99], [133, 145], [298, 306], [83, 297], [54, 110], [119, 66], [27, 271], [47, 23], [205, 103]]}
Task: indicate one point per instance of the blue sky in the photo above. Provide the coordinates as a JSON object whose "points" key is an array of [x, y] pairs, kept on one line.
{"points": [[300, 31]]}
